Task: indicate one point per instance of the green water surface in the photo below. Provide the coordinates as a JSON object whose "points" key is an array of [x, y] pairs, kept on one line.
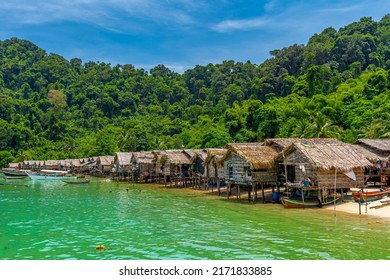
{"points": [[54, 220]]}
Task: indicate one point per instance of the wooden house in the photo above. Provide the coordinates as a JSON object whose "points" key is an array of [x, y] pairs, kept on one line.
{"points": [[214, 170], [174, 165], [52, 165], [75, 165], [250, 165], [14, 165], [329, 163], [104, 165], [197, 169], [33, 165], [122, 165], [377, 151], [143, 166], [88, 165]]}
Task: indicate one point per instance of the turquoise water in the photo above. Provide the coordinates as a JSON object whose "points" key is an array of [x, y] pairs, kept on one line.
{"points": [[44, 221]]}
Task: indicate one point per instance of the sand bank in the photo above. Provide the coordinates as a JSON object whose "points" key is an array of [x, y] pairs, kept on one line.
{"points": [[379, 208]]}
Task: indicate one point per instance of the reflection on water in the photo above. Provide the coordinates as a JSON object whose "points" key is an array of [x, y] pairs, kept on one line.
{"points": [[53, 220]]}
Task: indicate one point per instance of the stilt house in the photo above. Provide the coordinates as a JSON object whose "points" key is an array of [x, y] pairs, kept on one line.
{"points": [[143, 166], [104, 165], [328, 162], [377, 151]]}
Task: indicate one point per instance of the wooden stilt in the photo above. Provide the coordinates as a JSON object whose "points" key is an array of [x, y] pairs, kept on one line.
{"points": [[262, 192]]}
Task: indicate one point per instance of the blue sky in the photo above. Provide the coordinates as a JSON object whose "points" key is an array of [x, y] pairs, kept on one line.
{"points": [[177, 33]]}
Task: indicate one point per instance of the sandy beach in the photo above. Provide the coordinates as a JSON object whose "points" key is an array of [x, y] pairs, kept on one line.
{"points": [[375, 209]]}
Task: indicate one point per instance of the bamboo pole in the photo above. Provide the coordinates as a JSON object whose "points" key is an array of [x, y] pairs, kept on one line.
{"points": [[335, 189]]}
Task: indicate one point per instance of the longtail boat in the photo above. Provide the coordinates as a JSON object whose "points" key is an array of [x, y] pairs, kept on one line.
{"points": [[16, 174], [310, 203], [51, 175], [363, 196], [75, 182]]}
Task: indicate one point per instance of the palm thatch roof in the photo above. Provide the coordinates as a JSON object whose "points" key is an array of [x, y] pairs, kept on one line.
{"points": [[143, 157], [329, 154], [123, 158], [105, 160], [52, 163], [256, 154], [174, 157], [280, 143], [14, 165], [214, 153], [202, 154], [374, 149]]}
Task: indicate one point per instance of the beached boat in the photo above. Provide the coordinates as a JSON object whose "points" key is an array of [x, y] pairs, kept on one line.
{"points": [[298, 203], [76, 182], [363, 196], [16, 177], [51, 175], [16, 174]]}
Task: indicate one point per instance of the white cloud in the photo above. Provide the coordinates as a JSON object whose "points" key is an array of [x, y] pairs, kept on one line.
{"points": [[117, 15], [243, 24]]}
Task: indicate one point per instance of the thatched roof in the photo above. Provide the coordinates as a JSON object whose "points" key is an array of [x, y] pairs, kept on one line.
{"points": [[75, 162], [52, 163], [256, 154], [105, 160], [143, 157], [214, 153], [328, 154], [280, 143], [369, 154], [123, 158], [13, 165], [380, 147], [174, 157], [202, 154]]}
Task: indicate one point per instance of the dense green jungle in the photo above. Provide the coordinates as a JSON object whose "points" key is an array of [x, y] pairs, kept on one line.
{"points": [[337, 85]]}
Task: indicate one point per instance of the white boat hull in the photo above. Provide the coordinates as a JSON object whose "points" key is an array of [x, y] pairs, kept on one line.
{"points": [[50, 177]]}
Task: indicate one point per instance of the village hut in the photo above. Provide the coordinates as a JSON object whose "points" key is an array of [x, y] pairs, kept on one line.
{"points": [[197, 169], [66, 165], [104, 165], [250, 165], [143, 166], [329, 163], [214, 170], [52, 165], [14, 165], [75, 165], [122, 165], [377, 151], [33, 165], [174, 165], [88, 165]]}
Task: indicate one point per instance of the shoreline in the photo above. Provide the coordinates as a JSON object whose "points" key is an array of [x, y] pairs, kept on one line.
{"points": [[349, 206]]}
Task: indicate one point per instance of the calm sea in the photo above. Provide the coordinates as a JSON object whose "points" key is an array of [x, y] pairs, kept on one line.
{"points": [[54, 220]]}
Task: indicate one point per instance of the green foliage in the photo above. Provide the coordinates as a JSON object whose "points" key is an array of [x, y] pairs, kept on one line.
{"points": [[338, 85]]}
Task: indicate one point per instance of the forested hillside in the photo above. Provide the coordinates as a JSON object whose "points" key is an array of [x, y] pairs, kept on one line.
{"points": [[337, 85]]}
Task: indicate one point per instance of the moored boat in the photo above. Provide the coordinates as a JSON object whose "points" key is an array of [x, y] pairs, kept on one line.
{"points": [[363, 196], [76, 182], [51, 175], [15, 174], [297, 203]]}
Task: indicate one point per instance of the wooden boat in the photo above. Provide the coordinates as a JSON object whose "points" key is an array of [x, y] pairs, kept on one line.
{"points": [[310, 203], [75, 182], [16, 177], [16, 174], [51, 175], [363, 196]]}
